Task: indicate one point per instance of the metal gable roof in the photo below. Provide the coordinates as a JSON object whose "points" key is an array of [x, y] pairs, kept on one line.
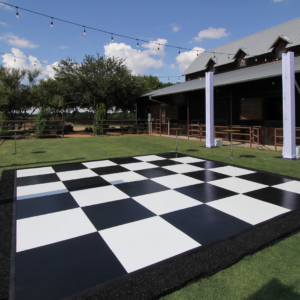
{"points": [[256, 44], [268, 70]]}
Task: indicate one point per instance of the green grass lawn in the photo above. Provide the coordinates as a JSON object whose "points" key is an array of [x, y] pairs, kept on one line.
{"points": [[272, 273]]}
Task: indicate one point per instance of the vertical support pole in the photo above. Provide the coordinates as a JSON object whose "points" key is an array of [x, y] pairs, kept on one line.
{"points": [[168, 127], [188, 118], [288, 97], [209, 99], [122, 127], [160, 120], [24, 130], [230, 108]]}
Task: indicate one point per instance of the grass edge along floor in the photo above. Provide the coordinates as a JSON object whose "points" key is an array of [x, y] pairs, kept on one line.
{"points": [[153, 167]]}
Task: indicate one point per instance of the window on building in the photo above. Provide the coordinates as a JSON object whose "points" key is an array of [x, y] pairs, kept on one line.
{"points": [[280, 53], [251, 109], [242, 63]]}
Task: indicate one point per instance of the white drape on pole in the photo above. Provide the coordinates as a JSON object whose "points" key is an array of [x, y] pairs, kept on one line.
{"points": [[288, 99], [209, 100]]}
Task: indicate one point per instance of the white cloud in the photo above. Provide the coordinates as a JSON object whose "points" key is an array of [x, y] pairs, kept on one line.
{"points": [[138, 61], [18, 42], [184, 59], [172, 66], [175, 27], [5, 6], [277, 0], [63, 47], [3, 23], [20, 61], [211, 33]]}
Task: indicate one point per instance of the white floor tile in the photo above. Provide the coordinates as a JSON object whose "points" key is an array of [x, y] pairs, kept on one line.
{"points": [[51, 228], [99, 164], [232, 171], [122, 177], [291, 186], [149, 158], [143, 243], [176, 181], [166, 201], [187, 160], [139, 166], [78, 174], [248, 209], [35, 171], [39, 190], [183, 168], [98, 195], [238, 185]]}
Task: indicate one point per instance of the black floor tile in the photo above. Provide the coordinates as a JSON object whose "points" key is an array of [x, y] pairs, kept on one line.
{"points": [[124, 160], [85, 183], [38, 179], [141, 187], [156, 172], [207, 164], [205, 224], [109, 170], [165, 162], [111, 214], [171, 155], [205, 192], [206, 175], [69, 167], [45, 205], [266, 179], [278, 197], [62, 269]]}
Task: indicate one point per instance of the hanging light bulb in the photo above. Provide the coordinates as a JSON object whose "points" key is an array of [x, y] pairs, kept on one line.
{"points": [[197, 53], [17, 13], [15, 60], [84, 32], [228, 57], [112, 38], [137, 43], [179, 51], [51, 23], [214, 55], [255, 59], [178, 79], [168, 79], [276, 58], [158, 47], [265, 59], [34, 64]]}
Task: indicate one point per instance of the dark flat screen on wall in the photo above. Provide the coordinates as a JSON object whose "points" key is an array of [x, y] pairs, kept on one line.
{"points": [[251, 109]]}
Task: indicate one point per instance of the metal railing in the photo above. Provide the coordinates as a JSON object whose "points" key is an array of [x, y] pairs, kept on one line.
{"points": [[31, 128]]}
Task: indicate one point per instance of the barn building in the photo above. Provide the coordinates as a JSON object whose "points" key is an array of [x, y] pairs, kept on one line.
{"points": [[247, 89]]}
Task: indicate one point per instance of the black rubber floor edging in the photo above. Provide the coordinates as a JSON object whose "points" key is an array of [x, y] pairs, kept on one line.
{"points": [[166, 278]]}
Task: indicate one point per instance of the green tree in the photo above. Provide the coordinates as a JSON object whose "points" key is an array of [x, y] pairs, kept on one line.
{"points": [[152, 83], [18, 98], [100, 115], [106, 79]]}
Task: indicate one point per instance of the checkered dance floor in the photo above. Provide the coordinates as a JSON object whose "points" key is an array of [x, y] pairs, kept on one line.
{"points": [[85, 224]]}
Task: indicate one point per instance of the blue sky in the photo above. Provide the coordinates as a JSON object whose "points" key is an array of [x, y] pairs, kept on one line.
{"points": [[188, 24]]}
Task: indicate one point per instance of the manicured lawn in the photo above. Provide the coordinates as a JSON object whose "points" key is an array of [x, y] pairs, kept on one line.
{"points": [[272, 273], [57, 151]]}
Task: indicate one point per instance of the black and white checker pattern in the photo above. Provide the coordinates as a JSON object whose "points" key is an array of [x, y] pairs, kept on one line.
{"points": [[84, 224]]}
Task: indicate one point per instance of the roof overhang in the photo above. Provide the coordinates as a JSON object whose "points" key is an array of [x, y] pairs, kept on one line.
{"points": [[268, 70], [242, 49], [282, 37]]}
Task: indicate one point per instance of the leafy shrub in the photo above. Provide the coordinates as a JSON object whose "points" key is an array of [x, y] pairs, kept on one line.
{"points": [[139, 131], [130, 131], [145, 131], [43, 123], [100, 124], [4, 126]]}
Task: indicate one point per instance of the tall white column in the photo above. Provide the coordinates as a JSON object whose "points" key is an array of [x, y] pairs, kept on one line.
{"points": [[288, 98], [209, 99]]}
